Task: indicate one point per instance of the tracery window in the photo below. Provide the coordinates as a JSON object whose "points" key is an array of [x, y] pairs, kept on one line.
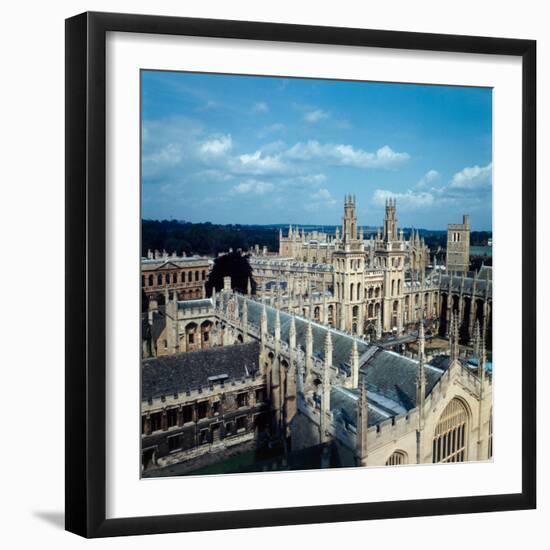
{"points": [[397, 458], [451, 434]]}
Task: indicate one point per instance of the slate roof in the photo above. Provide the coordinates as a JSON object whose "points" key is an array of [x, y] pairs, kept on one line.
{"points": [[481, 284], [390, 378], [167, 375], [190, 304], [486, 272], [341, 342]]}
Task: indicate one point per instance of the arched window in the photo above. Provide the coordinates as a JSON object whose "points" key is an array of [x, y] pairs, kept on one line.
{"points": [[451, 434], [196, 275], [358, 291], [203, 275], [397, 458], [159, 279], [183, 276], [351, 292], [150, 280], [189, 276], [168, 278]]}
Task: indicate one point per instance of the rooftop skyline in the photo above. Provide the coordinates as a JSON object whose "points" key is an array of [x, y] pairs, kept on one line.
{"points": [[266, 150]]}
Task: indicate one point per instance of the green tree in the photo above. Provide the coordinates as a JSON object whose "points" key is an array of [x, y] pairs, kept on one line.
{"points": [[234, 265]]}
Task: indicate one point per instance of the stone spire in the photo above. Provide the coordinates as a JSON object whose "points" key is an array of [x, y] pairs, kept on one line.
{"points": [[249, 287], [362, 425], [236, 308], [378, 325], [453, 337], [325, 389], [292, 333], [354, 362], [309, 355], [263, 325], [420, 376], [214, 297], [481, 360], [277, 327], [290, 386], [421, 339], [476, 339], [245, 321], [328, 349]]}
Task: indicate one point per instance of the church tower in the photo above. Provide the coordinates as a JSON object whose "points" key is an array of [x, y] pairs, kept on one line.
{"points": [[391, 252], [390, 221], [458, 246], [349, 266], [349, 233]]}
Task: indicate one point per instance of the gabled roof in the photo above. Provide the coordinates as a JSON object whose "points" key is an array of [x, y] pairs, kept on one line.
{"points": [[390, 378], [157, 266]]}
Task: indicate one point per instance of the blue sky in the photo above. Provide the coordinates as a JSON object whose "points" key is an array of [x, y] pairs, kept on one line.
{"points": [[263, 150]]}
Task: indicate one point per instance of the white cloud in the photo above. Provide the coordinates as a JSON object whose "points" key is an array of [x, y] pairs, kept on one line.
{"points": [[214, 175], [408, 200], [347, 155], [322, 194], [315, 116], [254, 187], [169, 155], [313, 179], [473, 177], [216, 146], [259, 163], [430, 176], [260, 107], [321, 199]]}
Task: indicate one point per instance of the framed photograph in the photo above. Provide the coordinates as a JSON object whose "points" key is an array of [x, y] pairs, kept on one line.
{"points": [[300, 274]]}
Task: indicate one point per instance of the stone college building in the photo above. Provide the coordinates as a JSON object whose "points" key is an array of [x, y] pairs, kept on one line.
{"points": [[354, 351]]}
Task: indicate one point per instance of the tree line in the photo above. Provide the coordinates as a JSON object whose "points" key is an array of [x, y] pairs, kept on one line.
{"points": [[204, 238]]}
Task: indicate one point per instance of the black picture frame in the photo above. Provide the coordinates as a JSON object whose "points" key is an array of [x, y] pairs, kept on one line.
{"points": [[86, 277]]}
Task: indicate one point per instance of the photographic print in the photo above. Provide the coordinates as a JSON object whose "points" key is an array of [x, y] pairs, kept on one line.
{"points": [[316, 274]]}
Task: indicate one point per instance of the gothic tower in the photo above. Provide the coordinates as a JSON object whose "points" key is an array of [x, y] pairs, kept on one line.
{"points": [[458, 246], [391, 252], [390, 221], [349, 268]]}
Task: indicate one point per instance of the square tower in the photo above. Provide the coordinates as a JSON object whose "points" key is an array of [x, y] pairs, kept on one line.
{"points": [[458, 245]]}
